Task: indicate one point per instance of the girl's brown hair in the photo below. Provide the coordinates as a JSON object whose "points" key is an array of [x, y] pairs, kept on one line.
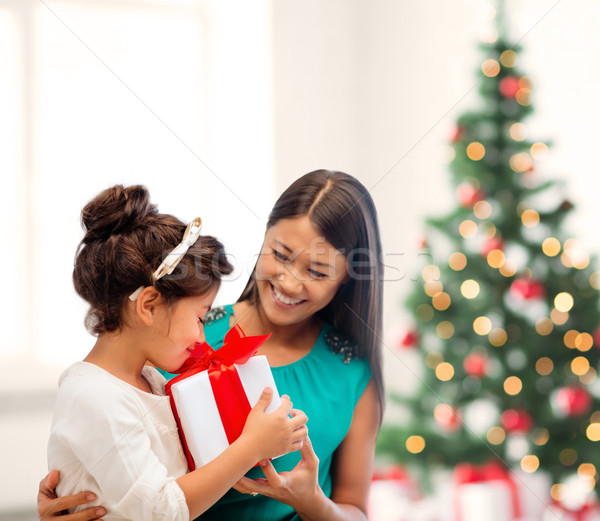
{"points": [[342, 210], [126, 239]]}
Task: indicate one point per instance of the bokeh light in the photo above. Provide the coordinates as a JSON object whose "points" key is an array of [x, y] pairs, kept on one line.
{"points": [[468, 229], [544, 366], [482, 325], [521, 162], [457, 261], [584, 341], [544, 326], [424, 312], [569, 338], [415, 444], [539, 151], [551, 247], [559, 317], [441, 301], [482, 210], [568, 457], [513, 385], [430, 273], [580, 365], [496, 435], [444, 371], [495, 258], [490, 68], [518, 131], [530, 463], [498, 337], [475, 151], [509, 58], [563, 302], [530, 218], [593, 432], [470, 289], [445, 330]]}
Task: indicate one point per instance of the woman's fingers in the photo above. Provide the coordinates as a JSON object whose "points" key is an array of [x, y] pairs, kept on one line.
{"points": [[55, 506], [270, 473], [93, 513], [307, 451], [48, 484], [244, 485]]}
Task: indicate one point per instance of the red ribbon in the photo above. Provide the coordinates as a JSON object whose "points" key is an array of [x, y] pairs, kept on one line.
{"points": [[225, 382], [465, 473], [579, 515]]}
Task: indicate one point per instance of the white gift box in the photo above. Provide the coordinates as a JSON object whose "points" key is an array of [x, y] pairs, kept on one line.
{"points": [[198, 413], [494, 500], [488, 501]]}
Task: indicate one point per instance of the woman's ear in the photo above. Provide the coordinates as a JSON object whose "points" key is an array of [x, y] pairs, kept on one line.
{"points": [[146, 305]]}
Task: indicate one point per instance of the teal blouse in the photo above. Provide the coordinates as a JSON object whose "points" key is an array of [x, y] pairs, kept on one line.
{"points": [[326, 385]]}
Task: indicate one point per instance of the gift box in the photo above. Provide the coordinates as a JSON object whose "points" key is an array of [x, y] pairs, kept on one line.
{"points": [[493, 492], [394, 496], [558, 512], [214, 393], [485, 493]]}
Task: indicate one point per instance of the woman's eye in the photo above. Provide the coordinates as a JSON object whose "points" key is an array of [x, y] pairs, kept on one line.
{"points": [[279, 255], [200, 320], [317, 274]]}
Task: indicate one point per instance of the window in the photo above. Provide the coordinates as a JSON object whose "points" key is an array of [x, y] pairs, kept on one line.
{"points": [[98, 93]]}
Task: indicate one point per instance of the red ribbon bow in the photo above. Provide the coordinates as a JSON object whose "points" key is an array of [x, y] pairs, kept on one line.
{"points": [[465, 473], [579, 514], [225, 382]]}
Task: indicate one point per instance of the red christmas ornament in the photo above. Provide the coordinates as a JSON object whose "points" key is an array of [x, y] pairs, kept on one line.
{"points": [[447, 417], [527, 289], [410, 339], [596, 336], [509, 86], [516, 420], [395, 473], [476, 364], [457, 133], [495, 243], [566, 206], [468, 194], [572, 401]]}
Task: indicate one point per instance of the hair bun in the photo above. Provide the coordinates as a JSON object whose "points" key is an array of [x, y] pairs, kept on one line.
{"points": [[116, 210]]}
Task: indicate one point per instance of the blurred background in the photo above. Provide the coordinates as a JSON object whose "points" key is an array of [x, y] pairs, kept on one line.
{"points": [[217, 106]]}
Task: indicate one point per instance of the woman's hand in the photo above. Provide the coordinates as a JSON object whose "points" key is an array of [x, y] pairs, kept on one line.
{"points": [[352, 470], [298, 488], [50, 506]]}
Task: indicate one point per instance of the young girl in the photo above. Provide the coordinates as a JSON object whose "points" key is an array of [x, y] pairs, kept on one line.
{"points": [[113, 432], [317, 289]]}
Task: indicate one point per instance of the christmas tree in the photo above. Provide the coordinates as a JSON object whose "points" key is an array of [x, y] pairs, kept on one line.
{"points": [[506, 314]]}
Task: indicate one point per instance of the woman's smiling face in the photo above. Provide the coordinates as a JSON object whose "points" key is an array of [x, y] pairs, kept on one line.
{"points": [[298, 272]]}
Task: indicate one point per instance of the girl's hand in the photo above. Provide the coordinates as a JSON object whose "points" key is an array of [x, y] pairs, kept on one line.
{"points": [[298, 488], [276, 433], [50, 506]]}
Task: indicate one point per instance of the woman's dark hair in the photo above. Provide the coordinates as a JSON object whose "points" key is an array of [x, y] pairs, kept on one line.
{"points": [[342, 210], [126, 240]]}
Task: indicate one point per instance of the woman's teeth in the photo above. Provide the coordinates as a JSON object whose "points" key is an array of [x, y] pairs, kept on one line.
{"points": [[286, 300]]}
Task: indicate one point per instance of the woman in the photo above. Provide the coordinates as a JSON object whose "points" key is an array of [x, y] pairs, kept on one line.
{"points": [[317, 288]]}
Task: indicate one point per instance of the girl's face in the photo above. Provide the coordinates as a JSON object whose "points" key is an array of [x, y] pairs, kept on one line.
{"points": [[298, 272], [178, 332]]}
